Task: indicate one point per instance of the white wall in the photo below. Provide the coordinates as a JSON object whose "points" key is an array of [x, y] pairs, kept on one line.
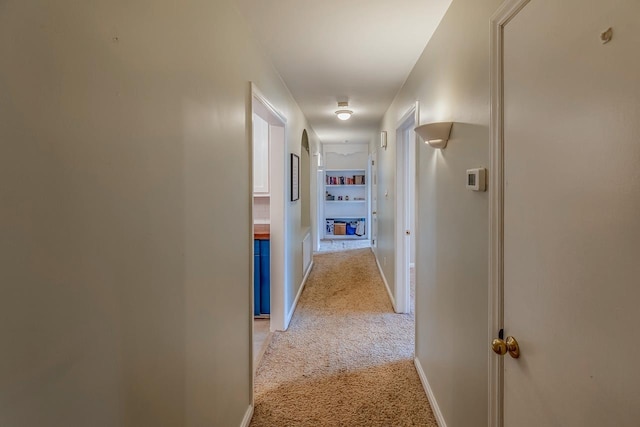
{"points": [[126, 211], [345, 156], [296, 232], [386, 185], [261, 214], [451, 82]]}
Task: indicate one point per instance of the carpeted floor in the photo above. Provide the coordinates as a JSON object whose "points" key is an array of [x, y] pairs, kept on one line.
{"points": [[347, 359]]}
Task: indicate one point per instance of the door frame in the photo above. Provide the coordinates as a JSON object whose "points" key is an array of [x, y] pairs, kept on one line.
{"points": [[320, 221], [373, 193], [277, 206], [405, 184], [507, 11]]}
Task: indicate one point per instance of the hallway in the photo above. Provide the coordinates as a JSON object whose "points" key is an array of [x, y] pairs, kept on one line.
{"points": [[347, 358], [130, 140]]}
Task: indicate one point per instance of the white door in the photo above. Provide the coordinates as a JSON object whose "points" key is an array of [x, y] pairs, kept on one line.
{"points": [[572, 213]]}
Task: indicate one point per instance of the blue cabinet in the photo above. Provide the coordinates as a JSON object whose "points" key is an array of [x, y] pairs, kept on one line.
{"points": [[256, 277], [265, 277], [261, 278]]}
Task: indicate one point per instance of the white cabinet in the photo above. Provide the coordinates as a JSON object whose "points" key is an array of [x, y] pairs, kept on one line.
{"points": [[260, 156], [345, 204]]}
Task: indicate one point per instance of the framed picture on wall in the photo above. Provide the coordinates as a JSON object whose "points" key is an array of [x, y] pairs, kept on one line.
{"points": [[295, 177]]}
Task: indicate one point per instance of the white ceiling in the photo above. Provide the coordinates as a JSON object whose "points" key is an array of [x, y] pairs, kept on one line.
{"points": [[330, 50]]}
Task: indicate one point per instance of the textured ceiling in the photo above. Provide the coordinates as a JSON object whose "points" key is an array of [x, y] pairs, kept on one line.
{"points": [[330, 50]]}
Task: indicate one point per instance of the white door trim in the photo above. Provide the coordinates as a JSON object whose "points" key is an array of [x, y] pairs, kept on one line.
{"points": [[496, 207], [370, 187], [265, 101], [403, 250], [320, 223]]}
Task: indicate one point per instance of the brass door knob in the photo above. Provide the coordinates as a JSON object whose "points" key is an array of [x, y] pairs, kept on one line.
{"points": [[501, 347]]}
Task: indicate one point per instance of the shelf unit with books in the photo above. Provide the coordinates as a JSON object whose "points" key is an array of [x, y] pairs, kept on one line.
{"points": [[345, 204]]}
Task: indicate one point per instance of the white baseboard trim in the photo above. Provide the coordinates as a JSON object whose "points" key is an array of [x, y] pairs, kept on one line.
{"points": [[295, 302], [430, 395], [247, 417], [386, 284]]}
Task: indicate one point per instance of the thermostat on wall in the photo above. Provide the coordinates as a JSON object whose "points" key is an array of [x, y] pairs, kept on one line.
{"points": [[476, 179]]}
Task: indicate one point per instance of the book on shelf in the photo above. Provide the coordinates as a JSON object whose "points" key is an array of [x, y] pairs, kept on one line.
{"points": [[345, 180]]}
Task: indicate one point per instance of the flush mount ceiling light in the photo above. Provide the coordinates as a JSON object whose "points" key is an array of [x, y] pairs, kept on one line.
{"points": [[343, 113], [435, 134]]}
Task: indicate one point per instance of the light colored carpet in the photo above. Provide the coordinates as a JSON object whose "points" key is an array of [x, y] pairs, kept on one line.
{"points": [[347, 359]]}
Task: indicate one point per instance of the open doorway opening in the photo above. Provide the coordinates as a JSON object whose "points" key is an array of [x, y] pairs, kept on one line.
{"points": [[268, 141], [345, 197], [405, 209]]}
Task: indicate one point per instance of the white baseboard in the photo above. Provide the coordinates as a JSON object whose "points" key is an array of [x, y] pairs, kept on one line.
{"points": [[430, 395], [247, 417], [386, 284], [287, 320]]}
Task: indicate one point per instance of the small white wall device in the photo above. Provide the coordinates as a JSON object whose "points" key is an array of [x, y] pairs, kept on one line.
{"points": [[476, 179]]}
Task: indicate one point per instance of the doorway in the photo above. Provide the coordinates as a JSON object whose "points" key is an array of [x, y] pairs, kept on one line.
{"points": [[268, 203], [405, 208]]}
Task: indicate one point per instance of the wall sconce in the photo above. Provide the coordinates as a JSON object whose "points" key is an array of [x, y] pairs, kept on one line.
{"points": [[435, 134]]}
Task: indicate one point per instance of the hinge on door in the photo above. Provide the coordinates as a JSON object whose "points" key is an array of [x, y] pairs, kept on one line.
{"points": [[373, 162]]}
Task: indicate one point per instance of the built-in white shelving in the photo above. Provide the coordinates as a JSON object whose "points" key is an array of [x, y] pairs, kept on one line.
{"points": [[345, 203]]}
